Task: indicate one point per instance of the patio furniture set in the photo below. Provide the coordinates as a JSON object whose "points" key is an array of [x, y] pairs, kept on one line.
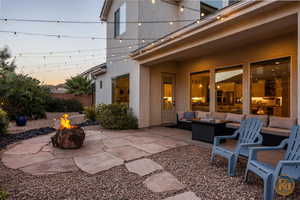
{"points": [[274, 129], [249, 141]]}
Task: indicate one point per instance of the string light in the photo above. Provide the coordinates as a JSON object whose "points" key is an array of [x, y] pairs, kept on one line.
{"points": [[181, 8], [202, 14], [171, 23], [198, 21], [139, 24], [95, 22], [69, 36]]}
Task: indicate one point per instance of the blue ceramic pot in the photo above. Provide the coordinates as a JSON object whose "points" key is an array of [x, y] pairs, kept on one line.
{"points": [[21, 120]]}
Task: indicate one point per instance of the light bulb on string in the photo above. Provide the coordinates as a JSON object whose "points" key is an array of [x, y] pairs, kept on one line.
{"points": [[181, 8]]}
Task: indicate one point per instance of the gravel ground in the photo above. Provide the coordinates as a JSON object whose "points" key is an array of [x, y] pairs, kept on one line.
{"points": [[190, 165]]}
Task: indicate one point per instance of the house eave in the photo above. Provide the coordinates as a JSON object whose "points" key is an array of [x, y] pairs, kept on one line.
{"points": [[195, 28], [105, 9]]}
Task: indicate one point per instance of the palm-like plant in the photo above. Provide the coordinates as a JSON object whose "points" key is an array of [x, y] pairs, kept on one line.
{"points": [[79, 85]]}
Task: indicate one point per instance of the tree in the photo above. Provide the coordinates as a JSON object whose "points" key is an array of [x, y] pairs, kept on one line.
{"points": [[5, 64], [20, 94], [79, 85], [23, 95]]}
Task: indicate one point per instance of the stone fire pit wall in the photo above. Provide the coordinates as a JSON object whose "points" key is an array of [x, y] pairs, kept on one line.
{"points": [[72, 138]]}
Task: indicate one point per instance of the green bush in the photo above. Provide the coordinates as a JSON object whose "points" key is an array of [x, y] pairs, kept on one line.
{"points": [[22, 95], [116, 116], [3, 122], [63, 105], [3, 195], [90, 113]]}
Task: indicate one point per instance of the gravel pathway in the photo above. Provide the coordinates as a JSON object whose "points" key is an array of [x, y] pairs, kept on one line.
{"points": [[189, 164]]}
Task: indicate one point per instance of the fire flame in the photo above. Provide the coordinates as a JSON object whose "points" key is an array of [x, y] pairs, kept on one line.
{"points": [[65, 123]]}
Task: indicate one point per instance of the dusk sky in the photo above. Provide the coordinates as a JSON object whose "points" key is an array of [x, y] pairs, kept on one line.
{"points": [[55, 68]]}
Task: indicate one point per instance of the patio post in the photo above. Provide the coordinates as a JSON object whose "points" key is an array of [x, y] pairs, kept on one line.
{"points": [[298, 70], [212, 90], [144, 96], [246, 89]]}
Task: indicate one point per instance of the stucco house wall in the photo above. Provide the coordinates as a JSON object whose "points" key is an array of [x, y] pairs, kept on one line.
{"points": [[142, 10]]}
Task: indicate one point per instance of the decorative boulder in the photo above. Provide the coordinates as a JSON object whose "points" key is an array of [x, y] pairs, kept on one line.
{"points": [[72, 138]]}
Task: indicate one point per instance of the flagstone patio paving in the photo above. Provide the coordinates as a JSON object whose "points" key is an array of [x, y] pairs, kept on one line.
{"points": [[105, 170], [101, 151]]}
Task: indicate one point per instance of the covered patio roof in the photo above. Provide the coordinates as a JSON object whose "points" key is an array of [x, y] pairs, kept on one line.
{"points": [[257, 21]]}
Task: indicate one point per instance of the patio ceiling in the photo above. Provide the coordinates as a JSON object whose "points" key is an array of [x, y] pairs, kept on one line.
{"points": [[231, 34]]}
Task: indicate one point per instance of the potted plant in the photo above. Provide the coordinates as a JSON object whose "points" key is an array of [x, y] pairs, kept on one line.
{"points": [[21, 120]]}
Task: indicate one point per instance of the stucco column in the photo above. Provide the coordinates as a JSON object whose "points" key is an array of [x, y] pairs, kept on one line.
{"points": [[246, 89], [144, 96], [212, 91], [298, 71]]}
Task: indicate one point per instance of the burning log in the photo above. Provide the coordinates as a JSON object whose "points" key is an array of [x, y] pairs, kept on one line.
{"points": [[68, 136]]}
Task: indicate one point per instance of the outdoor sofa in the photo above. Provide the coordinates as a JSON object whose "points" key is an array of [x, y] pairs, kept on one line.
{"points": [[275, 129]]}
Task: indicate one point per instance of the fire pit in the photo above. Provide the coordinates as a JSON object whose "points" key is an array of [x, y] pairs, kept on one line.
{"points": [[68, 136]]}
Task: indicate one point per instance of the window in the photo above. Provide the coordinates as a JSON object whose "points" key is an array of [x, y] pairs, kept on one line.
{"points": [[200, 91], [101, 84], [270, 87], [229, 89], [120, 20], [120, 89]]}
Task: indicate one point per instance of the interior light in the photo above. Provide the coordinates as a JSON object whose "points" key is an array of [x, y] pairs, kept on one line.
{"points": [[202, 14], [153, 1], [171, 23]]}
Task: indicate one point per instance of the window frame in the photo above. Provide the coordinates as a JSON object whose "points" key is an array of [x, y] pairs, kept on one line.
{"points": [[290, 84], [119, 25], [228, 68], [113, 85], [209, 90]]}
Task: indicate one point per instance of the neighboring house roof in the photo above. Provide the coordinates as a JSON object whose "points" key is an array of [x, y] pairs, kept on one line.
{"points": [[57, 89], [95, 69]]}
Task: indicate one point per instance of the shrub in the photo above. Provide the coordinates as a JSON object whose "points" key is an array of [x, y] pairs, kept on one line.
{"points": [[63, 105], [22, 95], [3, 195], [3, 122], [116, 116], [90, 113]]}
